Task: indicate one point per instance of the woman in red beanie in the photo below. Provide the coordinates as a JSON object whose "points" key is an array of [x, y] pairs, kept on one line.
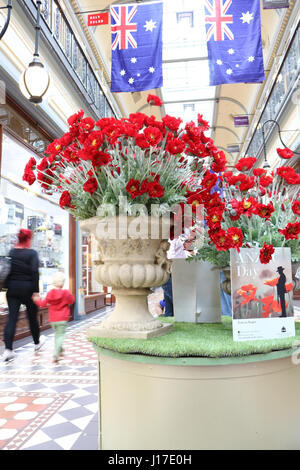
{"points": [[21, 283]]}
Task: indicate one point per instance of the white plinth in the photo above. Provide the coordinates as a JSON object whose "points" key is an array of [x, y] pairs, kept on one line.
{"points": [[196, 292], [190, 403]]}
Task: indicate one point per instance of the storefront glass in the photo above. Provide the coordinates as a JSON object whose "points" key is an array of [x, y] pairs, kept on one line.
{"points": [[89, 249], [26, 207]]}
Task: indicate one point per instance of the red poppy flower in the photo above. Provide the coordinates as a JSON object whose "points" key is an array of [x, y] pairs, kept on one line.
{"points": [[264, 210], [175, 146], [105, 122], [272, 282], [259, 172], [154, 100], [31, 163], [248, 292], [195, 201], [95, 139], [247, 183], [90, 186], [265, 254], [101, 159], [202, 123], [133, 188], [75, 118], [153, 136], [171, 123], [65, 199], [248, 206], [70, 153], [235, 237], [142, 142], [87, 124], [268, 304], [288, 174], [291, 231], [54, 148], [219, 162], [209, 180], [130, 130], [289, 287], [265, 181], [214, 217], [220, 239], [112, 133], [285, 153], [296, 207], [245, 164], [227, 174], [155, 189], [29, 176], [237, 209]]}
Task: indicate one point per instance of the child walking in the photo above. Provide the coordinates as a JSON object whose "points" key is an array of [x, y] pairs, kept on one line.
{"points": [[58, 301]]}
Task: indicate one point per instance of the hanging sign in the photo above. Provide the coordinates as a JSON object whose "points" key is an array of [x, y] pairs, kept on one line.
{"points": [[241, 121], [98, 19], [269, 4], [233, 148], [262, 295]]}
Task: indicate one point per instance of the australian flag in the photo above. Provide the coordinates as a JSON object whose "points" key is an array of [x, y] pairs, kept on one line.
{"points": [[233, 35], [136, 32]]}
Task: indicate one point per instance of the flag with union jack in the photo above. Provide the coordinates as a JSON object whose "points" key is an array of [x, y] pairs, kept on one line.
{"points": [[136, 32], [233, 35]]}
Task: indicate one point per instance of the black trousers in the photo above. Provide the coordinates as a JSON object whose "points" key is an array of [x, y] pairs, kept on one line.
{"points": [[282, 304], [14, 301]]}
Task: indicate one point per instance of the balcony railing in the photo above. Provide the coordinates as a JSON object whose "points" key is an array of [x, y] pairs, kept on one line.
{"points": [[287, 80], [66, 39]]}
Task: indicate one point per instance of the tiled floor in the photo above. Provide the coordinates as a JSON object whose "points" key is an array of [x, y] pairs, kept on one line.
{"points": [[47, 406]]}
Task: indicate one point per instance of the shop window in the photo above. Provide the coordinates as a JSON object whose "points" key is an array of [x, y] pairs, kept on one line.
{"points": [[185, 18], [189, 107], [89, 247], [27, 207], [12, 120]]}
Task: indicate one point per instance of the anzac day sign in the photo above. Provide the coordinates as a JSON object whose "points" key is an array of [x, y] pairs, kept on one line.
{"points": [[262, 295]]}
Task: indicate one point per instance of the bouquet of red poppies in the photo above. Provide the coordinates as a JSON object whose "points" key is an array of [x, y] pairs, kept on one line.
{"points": [[140, 159], [252, 208]]}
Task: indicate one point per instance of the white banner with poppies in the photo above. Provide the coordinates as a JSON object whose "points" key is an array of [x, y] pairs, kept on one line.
{"points": [[262, 295]]}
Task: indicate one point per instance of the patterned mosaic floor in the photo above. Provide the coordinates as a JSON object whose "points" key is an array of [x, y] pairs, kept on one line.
{"points": [[48, 406]]}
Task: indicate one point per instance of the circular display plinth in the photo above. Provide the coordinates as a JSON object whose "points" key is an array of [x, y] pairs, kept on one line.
{"points": [[198, 403], [162, 393]]}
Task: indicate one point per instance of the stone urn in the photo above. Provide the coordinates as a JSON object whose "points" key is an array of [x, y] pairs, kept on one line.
{"points": [[226, 285], [132, 258]]}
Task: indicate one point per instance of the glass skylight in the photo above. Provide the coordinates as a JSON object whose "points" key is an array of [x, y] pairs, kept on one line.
{"points": [[185, 64]]}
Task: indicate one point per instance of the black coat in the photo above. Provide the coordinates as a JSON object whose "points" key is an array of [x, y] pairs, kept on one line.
{"points": [[281, 285], [24, 273]]}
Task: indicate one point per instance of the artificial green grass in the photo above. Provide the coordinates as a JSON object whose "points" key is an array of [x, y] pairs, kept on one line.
{"points": [[196, 340]]}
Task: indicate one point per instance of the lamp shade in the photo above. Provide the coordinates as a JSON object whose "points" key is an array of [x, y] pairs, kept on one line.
{"points": [[34, 81]]}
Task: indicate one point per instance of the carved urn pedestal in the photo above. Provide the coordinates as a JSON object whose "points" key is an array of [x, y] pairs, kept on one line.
{"points": [[132, 258]]}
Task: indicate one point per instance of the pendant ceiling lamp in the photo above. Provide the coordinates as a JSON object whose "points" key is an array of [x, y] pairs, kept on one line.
{"points": [[35, 80]]}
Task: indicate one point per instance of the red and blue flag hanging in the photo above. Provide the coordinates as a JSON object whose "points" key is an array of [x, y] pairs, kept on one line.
{"points": [[233, 35], [136, 32]]}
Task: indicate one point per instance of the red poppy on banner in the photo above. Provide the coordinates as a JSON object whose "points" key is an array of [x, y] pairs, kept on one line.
{"points": [[98, 19]]}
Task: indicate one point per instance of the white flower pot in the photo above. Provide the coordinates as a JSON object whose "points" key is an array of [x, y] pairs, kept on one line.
{"points": [[130, 266], [196, 292]]}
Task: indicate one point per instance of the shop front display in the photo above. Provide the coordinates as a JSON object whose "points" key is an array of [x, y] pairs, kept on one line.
{"points": [[94, 293], [30, 209]]}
